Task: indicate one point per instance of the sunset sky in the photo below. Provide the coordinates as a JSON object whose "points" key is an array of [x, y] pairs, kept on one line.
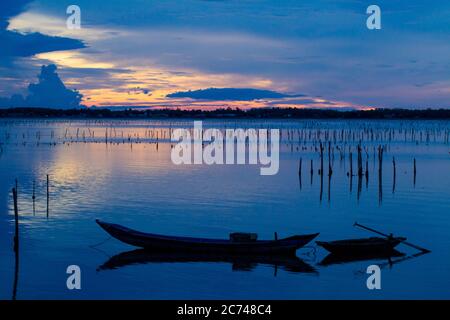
{"points": [[316, 53]]}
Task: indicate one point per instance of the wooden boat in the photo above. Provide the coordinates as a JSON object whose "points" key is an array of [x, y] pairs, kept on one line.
{"points": [[239, 262], [362, 246], [170, 243]]}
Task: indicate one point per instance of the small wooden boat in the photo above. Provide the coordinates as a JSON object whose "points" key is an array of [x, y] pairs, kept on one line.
{"points": [[170, 243], [242, 262], [362, 246]]}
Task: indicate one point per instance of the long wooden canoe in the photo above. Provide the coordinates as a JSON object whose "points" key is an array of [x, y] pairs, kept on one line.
{"points": [[171, 243], [362, 246]]}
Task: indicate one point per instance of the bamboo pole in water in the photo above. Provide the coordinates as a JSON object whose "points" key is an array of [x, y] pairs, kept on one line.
{"points": [[330, 170], [395, 174], [321, 171], [367, 173], [48, 195], [16, 275], [34, 197], [16, 221], [351, 164], [329, 188], [380, 174], [300, 172], [360, 168], [415, 171], [321, 158], [359, 187]]}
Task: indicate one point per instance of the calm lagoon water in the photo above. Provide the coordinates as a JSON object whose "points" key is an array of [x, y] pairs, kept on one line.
{"points": [[121, 171]]}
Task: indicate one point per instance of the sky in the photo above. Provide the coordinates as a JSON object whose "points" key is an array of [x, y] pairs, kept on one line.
{"points": [[316, 54]]}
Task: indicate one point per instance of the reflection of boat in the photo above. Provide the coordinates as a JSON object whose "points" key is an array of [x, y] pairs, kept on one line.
{"points": [[239, 262], [156, 242], [333, 258], [374, 245]]}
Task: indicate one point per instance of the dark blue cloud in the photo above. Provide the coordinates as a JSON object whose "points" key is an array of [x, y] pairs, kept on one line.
{"points": [[228, 94], [49, 92], [15, 45]]}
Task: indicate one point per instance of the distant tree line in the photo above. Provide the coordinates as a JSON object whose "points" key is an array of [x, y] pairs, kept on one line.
{"points": [[272, 113]]}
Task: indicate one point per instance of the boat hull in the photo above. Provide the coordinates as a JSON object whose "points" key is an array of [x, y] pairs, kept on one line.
{"points": [[361, 246], [162, 243]]}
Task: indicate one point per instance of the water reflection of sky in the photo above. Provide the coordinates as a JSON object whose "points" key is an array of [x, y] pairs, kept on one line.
{"points": [[139, 186]]}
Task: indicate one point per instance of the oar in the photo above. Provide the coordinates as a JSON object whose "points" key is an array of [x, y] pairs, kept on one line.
{"points": [[387, 236]]}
